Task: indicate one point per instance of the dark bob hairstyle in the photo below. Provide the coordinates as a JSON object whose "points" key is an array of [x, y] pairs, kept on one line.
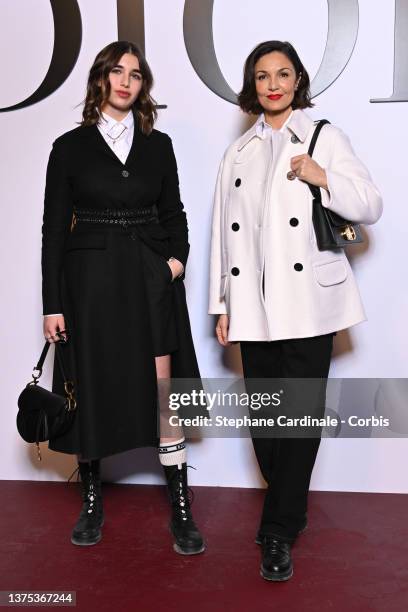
{"points": [[248, 99], [97, 95]]}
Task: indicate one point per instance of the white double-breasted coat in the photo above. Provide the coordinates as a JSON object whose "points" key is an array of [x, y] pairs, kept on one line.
{"points": [[262, 226]]}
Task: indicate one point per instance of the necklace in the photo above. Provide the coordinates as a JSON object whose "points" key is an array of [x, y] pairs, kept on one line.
{"points": [[114, 130]]}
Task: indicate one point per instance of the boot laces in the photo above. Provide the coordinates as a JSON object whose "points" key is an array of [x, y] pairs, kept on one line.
{"points": [[89, 497], [88, 491], [184, 501], [274, 545]]}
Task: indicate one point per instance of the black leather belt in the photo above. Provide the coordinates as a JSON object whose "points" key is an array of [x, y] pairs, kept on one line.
{"points": [[117, 216]]}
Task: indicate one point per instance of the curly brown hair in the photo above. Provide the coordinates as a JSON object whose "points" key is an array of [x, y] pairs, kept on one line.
{"points": [[248, 99], [96, 95]]}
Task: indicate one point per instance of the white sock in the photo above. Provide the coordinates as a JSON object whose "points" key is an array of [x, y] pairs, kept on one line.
{"points": [[173, 453]]}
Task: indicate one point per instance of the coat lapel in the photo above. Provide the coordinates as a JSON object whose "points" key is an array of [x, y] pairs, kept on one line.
{"points": [[98, 142], [300, 124], [138, 144]]}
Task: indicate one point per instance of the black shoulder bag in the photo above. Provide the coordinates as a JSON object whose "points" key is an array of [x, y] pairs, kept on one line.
{"points": [[44, 415], [332, 231]]}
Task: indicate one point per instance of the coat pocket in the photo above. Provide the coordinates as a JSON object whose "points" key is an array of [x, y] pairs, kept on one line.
{"points": [[85, 240], [223, 285], [330, 273]]}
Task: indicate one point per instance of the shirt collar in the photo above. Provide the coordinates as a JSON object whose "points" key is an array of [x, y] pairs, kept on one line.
{"points": [[299, 123], [107, 122], [263, 128]]}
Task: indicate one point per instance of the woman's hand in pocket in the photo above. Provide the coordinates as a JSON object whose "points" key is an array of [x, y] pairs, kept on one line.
{"points": [[54, 324], [176, 267], [221, 329]]}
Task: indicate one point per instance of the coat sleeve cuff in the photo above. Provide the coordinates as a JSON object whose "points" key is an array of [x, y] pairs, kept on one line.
{"points": [[179, 252], [217, 308], [51, 306]]}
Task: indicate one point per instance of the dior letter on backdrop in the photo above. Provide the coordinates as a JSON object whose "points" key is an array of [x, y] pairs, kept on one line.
{"points": [[342, 32]]}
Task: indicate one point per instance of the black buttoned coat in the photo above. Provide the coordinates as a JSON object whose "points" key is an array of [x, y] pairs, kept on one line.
{"points": [[95, 277]]}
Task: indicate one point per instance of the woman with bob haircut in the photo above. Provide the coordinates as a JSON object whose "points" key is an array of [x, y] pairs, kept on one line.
{"points": [[114, 251], [273, 290]]}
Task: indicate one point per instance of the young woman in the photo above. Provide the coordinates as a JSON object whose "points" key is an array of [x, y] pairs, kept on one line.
{"points": [[115, 245], [273, 290]]}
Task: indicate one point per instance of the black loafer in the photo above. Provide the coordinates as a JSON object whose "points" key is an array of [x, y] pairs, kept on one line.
{"points": [[276, 562]]}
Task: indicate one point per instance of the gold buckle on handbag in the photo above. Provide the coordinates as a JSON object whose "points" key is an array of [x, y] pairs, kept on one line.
{"points": [[69, 392], [348, 232]]}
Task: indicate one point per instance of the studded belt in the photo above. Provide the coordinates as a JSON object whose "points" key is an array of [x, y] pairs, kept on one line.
{"points": [[117, 216]]}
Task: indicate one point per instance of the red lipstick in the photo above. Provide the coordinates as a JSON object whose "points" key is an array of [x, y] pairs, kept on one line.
{"points": [[123, 94], [275, 96]]}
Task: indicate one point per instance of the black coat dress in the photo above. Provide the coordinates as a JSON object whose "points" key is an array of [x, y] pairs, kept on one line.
{"points": [[96, 278]]}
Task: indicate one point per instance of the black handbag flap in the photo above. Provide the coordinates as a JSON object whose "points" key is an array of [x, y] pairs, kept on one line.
{"points": [[336, 220], [35, 398]]}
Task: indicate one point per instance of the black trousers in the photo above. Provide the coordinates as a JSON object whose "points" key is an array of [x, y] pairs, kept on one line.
{"points": [[286, 463]]}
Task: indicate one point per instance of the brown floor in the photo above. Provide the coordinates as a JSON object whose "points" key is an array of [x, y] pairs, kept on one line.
{"points": [[352, 558]]}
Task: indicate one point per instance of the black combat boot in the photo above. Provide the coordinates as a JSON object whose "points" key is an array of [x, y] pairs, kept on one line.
{"points": [[276, 559], [188, 540], [87, 530]]}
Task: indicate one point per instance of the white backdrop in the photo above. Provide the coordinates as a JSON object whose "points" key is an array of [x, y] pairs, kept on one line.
{"points": [[201, 126]]}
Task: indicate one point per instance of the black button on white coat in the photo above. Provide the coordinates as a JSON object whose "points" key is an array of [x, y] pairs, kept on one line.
{"points": [[125, 173], [294, 222], [237, 182], [235, 271], [235, 227], [298, 267]]}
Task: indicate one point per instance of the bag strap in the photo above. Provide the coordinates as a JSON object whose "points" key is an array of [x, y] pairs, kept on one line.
{"points": [[313, 188], [58, 353], [41, 360]]}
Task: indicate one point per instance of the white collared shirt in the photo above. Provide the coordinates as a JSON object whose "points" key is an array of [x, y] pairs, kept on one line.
{"points": [[108, 127], [262, 127], [265, 130]]}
